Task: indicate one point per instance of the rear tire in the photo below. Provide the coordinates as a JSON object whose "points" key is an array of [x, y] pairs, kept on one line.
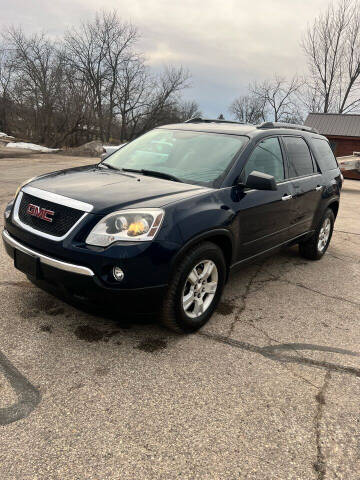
{"points": [[195, 289], [315, 247]]}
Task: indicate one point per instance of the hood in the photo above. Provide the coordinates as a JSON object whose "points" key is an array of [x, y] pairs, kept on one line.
{"points": [[107, 190]]}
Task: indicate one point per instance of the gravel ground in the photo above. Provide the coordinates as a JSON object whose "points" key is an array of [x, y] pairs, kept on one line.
{"points": [[269, 389]]}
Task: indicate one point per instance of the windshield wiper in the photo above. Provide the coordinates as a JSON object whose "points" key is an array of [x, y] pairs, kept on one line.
{"points": [[153, 173]]}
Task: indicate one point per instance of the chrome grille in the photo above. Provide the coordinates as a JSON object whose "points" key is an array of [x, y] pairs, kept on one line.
{"points": [[63, 219]]}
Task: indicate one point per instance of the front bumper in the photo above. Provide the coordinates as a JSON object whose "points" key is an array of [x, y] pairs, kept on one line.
{"points": [[44, 259], [81, 283]]}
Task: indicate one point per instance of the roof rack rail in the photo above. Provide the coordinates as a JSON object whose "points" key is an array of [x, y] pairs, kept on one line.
{"points": [[292, 126], [210, 120]]}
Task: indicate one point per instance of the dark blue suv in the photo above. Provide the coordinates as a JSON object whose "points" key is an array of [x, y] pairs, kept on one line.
{"points": [[159, 224]]}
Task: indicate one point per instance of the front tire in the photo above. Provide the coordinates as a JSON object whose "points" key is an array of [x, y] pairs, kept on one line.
{"points": [[315, 247], [195, 289]]}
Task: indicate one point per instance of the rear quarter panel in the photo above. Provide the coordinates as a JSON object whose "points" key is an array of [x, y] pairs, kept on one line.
{"points": [[332, 182]]}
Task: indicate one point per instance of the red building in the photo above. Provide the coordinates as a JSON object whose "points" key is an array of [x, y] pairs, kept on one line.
{"points": [[343, 131]]}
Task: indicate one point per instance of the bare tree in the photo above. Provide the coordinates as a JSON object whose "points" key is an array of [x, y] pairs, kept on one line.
{"points": [[279, 98], [248, 109], [163, 100], [37, 75], [332, 47], [187, 110], [133, 89], [6, 83], [92, 83], [97, 51], [74, 119]]}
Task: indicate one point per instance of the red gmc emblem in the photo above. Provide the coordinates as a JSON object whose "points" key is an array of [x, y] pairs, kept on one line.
{"points": [[38, 212]]}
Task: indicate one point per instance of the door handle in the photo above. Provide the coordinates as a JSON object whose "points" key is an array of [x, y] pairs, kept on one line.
{"points": [[318, 188], [286, 197]]}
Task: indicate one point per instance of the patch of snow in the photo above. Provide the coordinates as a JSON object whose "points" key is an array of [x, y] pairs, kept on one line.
{"points": [[2, 134], [31, 146]]}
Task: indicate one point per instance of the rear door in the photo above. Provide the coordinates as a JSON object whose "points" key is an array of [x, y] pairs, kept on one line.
{"points": [[306, 181], [263, 216]]}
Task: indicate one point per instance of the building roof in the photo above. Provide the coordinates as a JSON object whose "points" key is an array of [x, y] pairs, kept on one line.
{"points": [[335, 124]]}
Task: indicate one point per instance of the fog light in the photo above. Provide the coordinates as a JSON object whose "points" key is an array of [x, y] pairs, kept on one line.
{"points": [[118, 274]]}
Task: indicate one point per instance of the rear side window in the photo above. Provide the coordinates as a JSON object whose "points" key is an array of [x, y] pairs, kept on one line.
{"points": [[324, 153], [300, 161]]}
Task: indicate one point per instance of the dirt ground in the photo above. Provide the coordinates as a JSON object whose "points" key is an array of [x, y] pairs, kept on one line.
{"points": [[269, 389]]}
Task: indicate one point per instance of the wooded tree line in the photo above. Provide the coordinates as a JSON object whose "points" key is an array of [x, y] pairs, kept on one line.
{"points": [[94, 83], [91, 84], [332, 82]]}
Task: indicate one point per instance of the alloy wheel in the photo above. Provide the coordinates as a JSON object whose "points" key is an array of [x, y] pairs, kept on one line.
{"points": [[200, 288], [324, 234]]}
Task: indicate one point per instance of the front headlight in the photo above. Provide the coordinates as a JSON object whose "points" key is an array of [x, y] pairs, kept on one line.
{"points": [[129, 225]]}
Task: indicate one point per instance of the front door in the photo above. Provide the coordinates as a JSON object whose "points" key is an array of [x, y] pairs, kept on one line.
{"points": [[263, 217]]}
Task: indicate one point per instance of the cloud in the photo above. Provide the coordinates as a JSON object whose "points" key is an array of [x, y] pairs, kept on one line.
{"points": [[224, 43]]}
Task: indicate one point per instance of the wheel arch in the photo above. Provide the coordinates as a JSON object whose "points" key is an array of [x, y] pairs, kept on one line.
{"points": [[220, 237], [334, 206]]}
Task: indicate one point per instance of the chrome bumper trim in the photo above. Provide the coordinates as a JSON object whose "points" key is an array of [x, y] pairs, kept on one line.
{"points": [[52, 262]]}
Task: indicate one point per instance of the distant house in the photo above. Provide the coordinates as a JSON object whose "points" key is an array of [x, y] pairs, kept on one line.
{"points": [[343, 131]]}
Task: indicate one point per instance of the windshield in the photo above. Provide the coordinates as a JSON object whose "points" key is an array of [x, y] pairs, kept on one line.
{"points": [[200, 158]]}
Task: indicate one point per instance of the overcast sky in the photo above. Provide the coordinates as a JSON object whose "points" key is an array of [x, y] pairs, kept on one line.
{"points": [[224, 43]]}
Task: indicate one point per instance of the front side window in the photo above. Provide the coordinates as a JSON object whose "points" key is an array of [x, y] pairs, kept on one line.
{"points": [[266, 158], [300, 161], [200, 158]]}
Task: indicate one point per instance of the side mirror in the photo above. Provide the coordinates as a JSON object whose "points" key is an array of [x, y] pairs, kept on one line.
{"points": [[261, 181]]}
